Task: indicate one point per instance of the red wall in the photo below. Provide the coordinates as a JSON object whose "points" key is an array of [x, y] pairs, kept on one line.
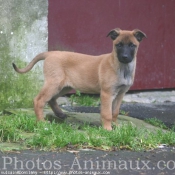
{"points": [[82, 26]]}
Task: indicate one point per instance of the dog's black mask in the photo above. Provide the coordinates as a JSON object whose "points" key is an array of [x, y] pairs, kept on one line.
{"points": [[125, 52]]}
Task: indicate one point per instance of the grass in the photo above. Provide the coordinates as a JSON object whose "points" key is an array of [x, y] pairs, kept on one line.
{"points": [[23, 129], [156, 122], [84, 99]]}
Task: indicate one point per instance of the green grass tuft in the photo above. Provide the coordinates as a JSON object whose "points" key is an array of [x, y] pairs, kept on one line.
{"points": [[156, 122], [84, 99]]}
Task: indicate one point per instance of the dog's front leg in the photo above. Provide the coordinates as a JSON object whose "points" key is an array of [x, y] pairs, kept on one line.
{"points": [[116, 107], [106, 109]]}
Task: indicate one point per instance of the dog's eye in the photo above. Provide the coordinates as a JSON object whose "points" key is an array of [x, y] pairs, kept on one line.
{"points": [[119, 45], [132, 45]]}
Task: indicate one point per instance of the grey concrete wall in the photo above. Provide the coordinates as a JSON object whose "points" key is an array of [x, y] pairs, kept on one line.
{"points": [[23, 29]]}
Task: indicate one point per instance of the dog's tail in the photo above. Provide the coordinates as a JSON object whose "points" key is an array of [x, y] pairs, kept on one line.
{"points": [[39, 57]]}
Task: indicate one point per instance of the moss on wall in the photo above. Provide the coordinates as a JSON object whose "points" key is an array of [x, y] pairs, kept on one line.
{"points": [[23, 34]]}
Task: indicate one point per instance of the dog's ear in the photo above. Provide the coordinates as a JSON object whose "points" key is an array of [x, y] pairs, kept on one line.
{"points": [[114, 33], [139, 34]]}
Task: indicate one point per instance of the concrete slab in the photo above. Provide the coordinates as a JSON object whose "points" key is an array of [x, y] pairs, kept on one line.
{"points": [[164, 112], [150, 97], [92, 119]]}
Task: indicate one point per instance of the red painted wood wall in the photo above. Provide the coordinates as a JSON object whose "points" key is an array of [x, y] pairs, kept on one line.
{"points": [[82, 26]]}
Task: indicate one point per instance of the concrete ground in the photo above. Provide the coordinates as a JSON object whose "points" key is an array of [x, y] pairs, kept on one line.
{"points": [[90, 162], [160, 161], [154, 104], [150, 97]]}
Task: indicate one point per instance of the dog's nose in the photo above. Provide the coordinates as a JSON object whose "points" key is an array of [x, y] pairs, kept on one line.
{"points": [[125, 57]]}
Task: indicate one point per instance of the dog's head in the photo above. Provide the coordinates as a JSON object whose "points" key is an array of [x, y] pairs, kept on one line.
{"points": [[126, 43]]}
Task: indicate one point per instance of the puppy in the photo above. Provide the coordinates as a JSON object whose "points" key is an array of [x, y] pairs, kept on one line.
{"points": [[110, 74]]}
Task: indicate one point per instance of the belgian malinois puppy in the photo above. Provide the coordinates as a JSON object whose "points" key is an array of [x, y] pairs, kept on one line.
{"points": [[110, 74]]}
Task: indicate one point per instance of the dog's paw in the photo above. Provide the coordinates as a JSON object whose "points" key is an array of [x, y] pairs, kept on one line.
{"points": [[62, 116], [109, 128]]}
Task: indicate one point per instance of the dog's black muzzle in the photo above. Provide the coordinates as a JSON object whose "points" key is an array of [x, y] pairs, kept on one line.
{"points": [[125, 59], [125, 52]]}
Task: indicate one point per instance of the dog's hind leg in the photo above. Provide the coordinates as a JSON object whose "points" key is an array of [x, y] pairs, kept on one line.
{"points": [[54, 105], [49, 90]]}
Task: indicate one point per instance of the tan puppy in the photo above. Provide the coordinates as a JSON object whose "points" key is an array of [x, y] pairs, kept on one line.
{"points": [[110, 74]]}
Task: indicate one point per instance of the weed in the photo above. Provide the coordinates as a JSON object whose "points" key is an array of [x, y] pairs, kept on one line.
{"points": [[84, 99], [123, 112], [17, 90], [156, 122]]}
